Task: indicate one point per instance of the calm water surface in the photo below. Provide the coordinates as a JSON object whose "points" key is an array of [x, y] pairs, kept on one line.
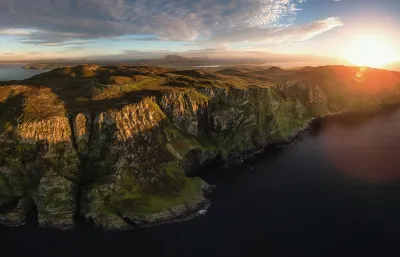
{"points": [[335, 194], [15, 72]]}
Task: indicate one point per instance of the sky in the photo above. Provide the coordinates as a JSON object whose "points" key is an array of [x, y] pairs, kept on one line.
{"points": [[140, 29]]}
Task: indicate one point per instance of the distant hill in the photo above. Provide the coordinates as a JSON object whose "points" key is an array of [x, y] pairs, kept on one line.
{"points": [[274, 69], [81, 71]]}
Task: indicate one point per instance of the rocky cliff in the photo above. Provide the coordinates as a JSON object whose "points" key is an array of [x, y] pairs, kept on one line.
{"points": [[118, 156]]}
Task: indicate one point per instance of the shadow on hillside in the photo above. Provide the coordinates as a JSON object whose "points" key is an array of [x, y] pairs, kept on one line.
{"points": [[10, 110], [112, 103], [76, 94]]}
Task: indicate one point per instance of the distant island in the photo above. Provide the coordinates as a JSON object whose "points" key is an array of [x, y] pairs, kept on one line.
{"points": [[42, 66]]}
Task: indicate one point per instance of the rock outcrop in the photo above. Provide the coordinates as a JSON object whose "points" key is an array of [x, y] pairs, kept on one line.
{"points": [[121, 160]]}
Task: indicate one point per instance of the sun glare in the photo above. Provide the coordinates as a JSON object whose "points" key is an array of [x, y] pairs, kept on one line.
{"points": [[371, 51]]}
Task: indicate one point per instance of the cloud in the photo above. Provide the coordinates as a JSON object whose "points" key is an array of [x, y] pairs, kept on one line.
{"points": [[14, 32], [47, 22], [49, 38], [75, 48], [276, 35]]}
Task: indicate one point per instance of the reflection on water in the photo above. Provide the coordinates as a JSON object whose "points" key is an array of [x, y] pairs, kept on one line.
{"points": [[335, 194], [367, 151]]}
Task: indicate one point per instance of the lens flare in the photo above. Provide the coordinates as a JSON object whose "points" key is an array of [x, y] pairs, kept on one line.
{"points": [[371, 51]]}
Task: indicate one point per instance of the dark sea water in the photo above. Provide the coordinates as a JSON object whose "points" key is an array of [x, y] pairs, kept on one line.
{"points": [[15, 72], [335, 194]]}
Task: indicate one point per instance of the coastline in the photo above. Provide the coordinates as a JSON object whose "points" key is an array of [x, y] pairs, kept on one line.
{"points": [[232, 161], [238, 159], [160, 138], [184, 213]]}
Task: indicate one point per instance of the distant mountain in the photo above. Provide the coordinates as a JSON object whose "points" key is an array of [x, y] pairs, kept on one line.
{"points": [[181, 61], [175, 58]]}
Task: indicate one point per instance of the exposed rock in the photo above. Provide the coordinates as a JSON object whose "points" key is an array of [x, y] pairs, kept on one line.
{"points": [[119, 155], [184, 109], [196, 159], [82, 129], [55, 199], [12, 185]]}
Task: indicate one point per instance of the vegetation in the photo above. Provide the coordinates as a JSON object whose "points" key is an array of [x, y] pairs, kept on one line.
{"points": [[125, 137]]}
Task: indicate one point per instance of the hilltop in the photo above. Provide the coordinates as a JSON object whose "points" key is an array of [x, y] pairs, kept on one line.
{"points": [[116, 146]]}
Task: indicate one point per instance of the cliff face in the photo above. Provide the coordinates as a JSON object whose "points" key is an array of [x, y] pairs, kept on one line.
{"points": [[124, 164], [134, 173]]}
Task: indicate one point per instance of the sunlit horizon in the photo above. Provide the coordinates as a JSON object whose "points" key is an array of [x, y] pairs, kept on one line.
{"points": [[288, 32], [371, 51]]}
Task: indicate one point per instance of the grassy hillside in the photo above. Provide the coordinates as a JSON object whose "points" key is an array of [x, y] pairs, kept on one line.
{"points": [[113, 145]]}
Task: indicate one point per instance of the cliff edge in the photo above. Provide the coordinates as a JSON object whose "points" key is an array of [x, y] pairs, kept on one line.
{"points": [[74, 145]]}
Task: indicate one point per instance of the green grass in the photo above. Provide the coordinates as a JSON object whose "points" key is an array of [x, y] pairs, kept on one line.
{"points": [[191, 193], [118, 91], [180, 142], [187, 191], [120, 80], [173, 189]]}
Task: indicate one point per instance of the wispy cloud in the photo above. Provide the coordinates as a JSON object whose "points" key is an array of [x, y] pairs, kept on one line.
{"points": [[15, 32], [48, 22], [63, 44], [276, 35], [75, 48]]}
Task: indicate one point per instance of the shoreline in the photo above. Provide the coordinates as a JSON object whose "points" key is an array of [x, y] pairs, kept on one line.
{"points": [[182, 213], [186, 212], [202, 207]]}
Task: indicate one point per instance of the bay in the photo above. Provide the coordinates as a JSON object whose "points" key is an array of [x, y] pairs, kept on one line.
{"points": [[15, 72]]}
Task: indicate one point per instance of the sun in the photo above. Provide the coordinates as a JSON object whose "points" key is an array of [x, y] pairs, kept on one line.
{"points": [[371, 51]]}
